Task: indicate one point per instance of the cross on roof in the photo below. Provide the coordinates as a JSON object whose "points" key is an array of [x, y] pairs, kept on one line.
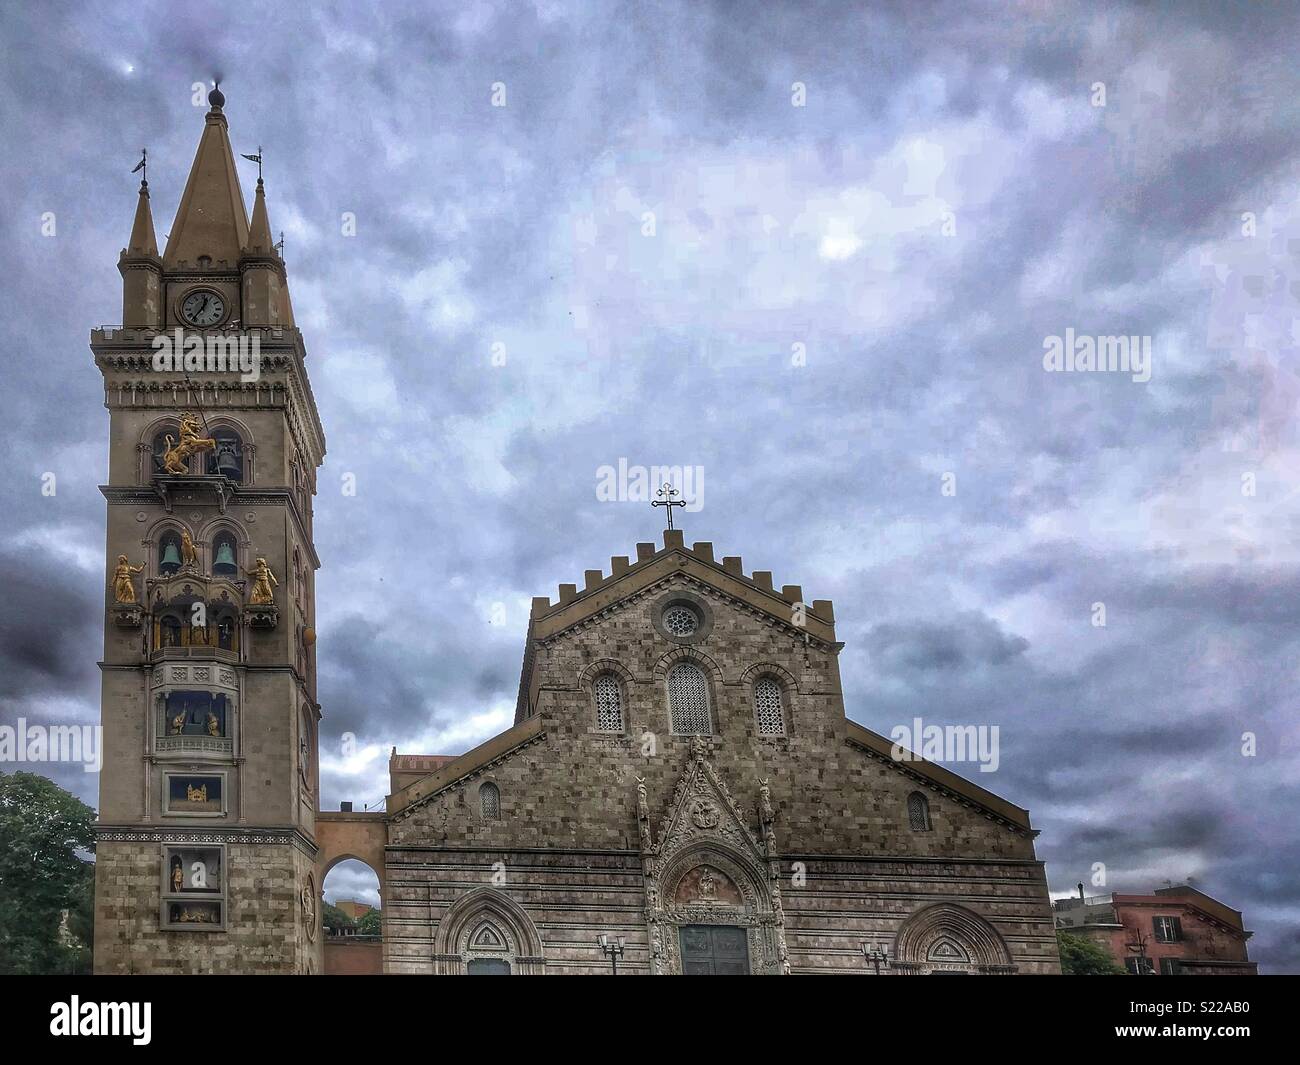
{"points": [[669, 502]]}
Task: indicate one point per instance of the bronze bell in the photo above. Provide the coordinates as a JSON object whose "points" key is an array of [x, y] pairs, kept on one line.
{"points": [[228, 461], [171, 556], [225, 556]]}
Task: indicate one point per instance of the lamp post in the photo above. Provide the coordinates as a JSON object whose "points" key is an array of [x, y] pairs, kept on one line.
{"points": [[877, 955], [613, 950]]}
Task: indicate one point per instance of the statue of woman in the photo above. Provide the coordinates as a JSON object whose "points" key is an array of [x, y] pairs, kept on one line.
{"points": [[123, 587], [263, 581]]}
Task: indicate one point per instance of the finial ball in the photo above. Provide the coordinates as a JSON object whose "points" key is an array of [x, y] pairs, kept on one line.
{"points": [[216, 97]]}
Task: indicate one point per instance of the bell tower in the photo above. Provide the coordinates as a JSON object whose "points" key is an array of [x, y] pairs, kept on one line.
{"points": [[208, 794]]}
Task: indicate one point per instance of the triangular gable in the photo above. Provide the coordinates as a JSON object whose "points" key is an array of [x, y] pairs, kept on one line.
{"points": [[702, 808]]}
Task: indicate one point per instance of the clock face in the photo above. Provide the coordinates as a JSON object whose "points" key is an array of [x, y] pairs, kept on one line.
{"points": [[203, 308]]}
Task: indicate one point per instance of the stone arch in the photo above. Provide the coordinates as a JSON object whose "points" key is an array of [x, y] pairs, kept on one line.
{"points": [[487, 924], [945, 937], [783, 675], [688, 654], [676, 901], [605, 665]]}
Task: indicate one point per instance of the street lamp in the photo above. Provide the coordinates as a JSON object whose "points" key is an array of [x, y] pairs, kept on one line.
{"points": [[877, 955], [612, 950]]}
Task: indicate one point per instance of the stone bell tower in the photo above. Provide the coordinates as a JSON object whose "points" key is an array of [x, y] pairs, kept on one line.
{"points": [[207, 802]]}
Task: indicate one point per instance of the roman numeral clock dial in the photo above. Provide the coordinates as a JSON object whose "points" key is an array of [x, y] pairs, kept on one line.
{"points": [[203, 308]]}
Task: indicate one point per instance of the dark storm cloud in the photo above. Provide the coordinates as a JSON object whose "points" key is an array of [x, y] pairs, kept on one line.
{"points": [[775, 226]]}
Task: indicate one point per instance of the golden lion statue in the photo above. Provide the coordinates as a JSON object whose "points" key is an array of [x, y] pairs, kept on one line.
{"points": [[176, 456]]}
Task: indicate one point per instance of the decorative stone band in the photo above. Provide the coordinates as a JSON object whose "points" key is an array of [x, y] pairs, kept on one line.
{"points": [[286, 837]]}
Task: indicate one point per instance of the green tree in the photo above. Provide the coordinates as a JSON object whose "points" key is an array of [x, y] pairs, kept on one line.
{"points": [[48, 887], [335, 920], [1080, 956], [371, 924]]}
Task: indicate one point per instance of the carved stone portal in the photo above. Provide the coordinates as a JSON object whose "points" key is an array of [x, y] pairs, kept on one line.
{"points": [[709, 867]]}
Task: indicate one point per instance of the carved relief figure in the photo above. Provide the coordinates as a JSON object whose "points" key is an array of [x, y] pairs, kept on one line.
{"points": [[177, 454], [263, 583], [123, 586]]}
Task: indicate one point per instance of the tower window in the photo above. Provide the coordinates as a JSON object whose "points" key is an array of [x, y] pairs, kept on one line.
{"points": [[688, 700], [769, 710], [227, 458], [489, 798], [918, 812], [609, 703]]}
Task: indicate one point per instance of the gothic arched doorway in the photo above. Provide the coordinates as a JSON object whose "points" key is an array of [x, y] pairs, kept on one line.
{"points": [[946, 939], [487, 933]]}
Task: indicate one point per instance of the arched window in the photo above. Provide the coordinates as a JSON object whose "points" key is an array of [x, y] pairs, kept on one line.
{"points": [[769, 709], [225, 555], [227, 458], [489, 798], [609, 703], [169, 553], [169, 631], [918, 812], [688, 700], [226, 633]]}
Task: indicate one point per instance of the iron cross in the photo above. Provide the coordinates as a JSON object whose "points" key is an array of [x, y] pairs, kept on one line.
{"points": [[669, 502]]}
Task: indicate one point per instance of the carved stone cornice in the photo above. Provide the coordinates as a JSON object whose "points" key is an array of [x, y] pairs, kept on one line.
{"points": [[287, 837]]}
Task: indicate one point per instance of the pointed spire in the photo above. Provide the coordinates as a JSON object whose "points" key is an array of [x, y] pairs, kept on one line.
{"points": [[260, 241], [143, 242], [211, 220]]}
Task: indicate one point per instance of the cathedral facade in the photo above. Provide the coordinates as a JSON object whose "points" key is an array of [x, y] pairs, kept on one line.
{"points": [[681, 791]]}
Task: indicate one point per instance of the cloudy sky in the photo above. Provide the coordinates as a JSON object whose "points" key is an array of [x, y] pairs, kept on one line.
{"points": [[813, 250]]}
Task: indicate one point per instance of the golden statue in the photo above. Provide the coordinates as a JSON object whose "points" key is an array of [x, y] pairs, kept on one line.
{"points": [[188, 555], [263, 581], [123, 588], [178, 878], [177, 455], [193, 794], [214, 726], [178, 723]]}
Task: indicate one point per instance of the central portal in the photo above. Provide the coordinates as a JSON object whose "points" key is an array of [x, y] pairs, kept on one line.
{"points": [[714, 950]]}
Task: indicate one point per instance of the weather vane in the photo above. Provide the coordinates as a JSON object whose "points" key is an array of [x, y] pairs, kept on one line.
{"points": [[256, 159], [668, 491], [143, 164]]}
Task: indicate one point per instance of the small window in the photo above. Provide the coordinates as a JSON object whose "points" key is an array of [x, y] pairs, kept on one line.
{"points": [[609, 703], [489, 797], [1168, 929], [688, 701], [769, 708], [1138, 966], [1168, 966], [918, 812]]}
